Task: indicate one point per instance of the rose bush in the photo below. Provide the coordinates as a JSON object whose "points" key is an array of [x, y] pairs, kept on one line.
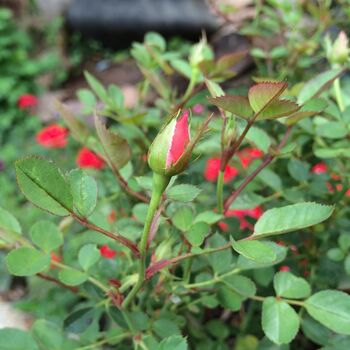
{"points": [[219, 227]]}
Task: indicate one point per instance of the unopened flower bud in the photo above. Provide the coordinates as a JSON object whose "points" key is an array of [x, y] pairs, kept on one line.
{"points": [[170, 152], [339, 52]]}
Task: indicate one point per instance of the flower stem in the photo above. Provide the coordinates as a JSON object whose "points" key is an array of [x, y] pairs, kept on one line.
{"points": [[338, 94], [160, 183], [219, 190]]}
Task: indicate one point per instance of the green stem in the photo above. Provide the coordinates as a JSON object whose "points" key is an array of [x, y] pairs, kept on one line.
{"points": [[160, 183], [338, 94], [219, 191], [187, 272]]}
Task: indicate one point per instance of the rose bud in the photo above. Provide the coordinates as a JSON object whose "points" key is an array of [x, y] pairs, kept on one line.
{"points": [[170, 151]]}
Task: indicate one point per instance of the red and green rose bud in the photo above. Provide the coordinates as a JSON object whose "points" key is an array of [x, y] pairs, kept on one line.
{"points": [[338, 52], [170, 151]]}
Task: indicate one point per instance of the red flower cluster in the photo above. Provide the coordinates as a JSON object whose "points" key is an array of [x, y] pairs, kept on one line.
{"points": [[246, 156], [212, 169], [54, 258], [27, 101], [88, 159], [321, 168], [241, 215], [107, 252], [53, 136]]}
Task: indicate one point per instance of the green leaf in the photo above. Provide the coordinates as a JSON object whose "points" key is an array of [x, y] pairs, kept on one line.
{"points": [[48, 335], [175, 342], [332, 309], [263, 94], [332, 130], [289, 286], [298, 170], [116, 96], [97, 87], [209, 217], [291, 218], [46, 235], [84, 191], [254, 250], [42, 182], [88, 99], [214, 88], [78, 130], [237, 105], [335, 254], [278, 109], [79, 320], [88, 256], [259, 138], [183, 218], [16, 339], [219, 261], [115, 148], [27, 261], [242, 285], [271, 179], [183, 193], [164, 327], [347, 264], [197, 233], [229, 298], [218, 329], [280, 322], [72, 277], [8, 222], [317, 84], [248, 264]]}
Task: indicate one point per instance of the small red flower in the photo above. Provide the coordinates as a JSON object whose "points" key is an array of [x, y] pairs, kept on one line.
{"points": [[319, 168], [112, 216], [107, 252], [198, 108], [54, 258], [347, 193], [26, 101], [88, 159], [284, 268], [247, 155], [241, 214], [212, 169], [53, 136]]}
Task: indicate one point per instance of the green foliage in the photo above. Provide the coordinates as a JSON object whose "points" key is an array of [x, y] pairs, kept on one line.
{"points": [[291, 218], [186, 267]]}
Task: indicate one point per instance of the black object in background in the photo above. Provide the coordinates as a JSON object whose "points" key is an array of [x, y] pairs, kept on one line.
{"points": [[117, 23]]}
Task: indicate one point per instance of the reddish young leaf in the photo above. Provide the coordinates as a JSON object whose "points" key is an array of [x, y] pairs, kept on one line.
{"points": [[238, 105], [263, 94], [278, 109]]}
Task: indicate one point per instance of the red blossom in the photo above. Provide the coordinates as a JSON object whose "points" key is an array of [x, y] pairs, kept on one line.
{"points": [[241, 215], [53, 136], [112, 216], [107, 252], [319, 168], [88, 159], [198, 108], [284, 268], [26, 101], [212, 169], [54, 258], [247, 155], [180, 140]]}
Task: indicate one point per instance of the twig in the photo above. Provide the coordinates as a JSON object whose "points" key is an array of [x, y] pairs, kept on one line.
{"points": [[122, 240], [59, 283], [267, 160]]}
